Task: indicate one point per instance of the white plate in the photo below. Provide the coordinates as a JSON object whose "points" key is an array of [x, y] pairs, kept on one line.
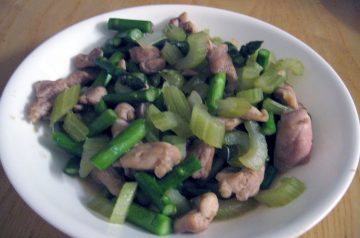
{"points": [[34, 165]]}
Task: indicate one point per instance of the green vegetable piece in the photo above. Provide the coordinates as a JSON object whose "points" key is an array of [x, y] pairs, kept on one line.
{"points": [[123, 202], [151, 39], [206, 127], [269, 80], [66, 143], [133, 35], [253, 95], [288, 190], [270, 175], [198, 43], [254, 158], [120, 24], [75, 128], [118, 146], [151, 188], [102, 122], [248, 74], [194, 98], [173, 77], [116, 57], [294, 66], [273, 106], [180, 173], [100, 107], [236, 137], [216, 91], [232, 208], [108, 66], [101, 205], [171, 53], [263, 58], [156, 223], [102, 79], [175, 33], [64, 102], [164, 120], [182, 204], [72, 167], [147, 95], [135, 80], [90, 148], [250, 48], [176, 102], [269, 127], [232, 107]]}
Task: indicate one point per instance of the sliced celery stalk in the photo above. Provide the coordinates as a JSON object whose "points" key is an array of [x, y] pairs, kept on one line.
{"points": [[64, 102], [295, 66], [207, 127], [171, 53], [194, 98], [178, 141], [236, 137], [151, 38], [288, 190], [90, 148], [254, 158], [173, 77], [263, 58], [198, 44], [270, 80], [164, 120], [101, 205], [232, 208], [75, 127], [273, 106], [176, 102], [248, 74], [233, 107], [123, 202], [253, 95], [175, 33], [181, 203]]}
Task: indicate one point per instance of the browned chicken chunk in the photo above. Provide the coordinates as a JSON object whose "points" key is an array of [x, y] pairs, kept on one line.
{"points": [[152, 65], [139, 54], [286, 95], [125, 111], [93, 95], [119, 126], [255, 115], [205, 153], [83, 61], [198, 220], [184, 22], [230, 123], [244, 183], [293, 139], [158, 156]]}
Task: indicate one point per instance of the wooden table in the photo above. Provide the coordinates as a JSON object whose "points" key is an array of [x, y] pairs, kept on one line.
{"points": [[332, 28]]}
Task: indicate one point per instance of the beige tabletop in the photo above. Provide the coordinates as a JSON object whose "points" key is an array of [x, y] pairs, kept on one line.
{"points": [[332, 28]]}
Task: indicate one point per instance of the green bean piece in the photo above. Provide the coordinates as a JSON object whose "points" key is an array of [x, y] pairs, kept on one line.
{"points": [[100, 107], [116, 57], [135, 80], [151, 188], [102, 122], [102, 79], [156, 223], [269, 127], [216, 91], [147, 95], [270, 174], [115, 41], [66, 143], [72, 166], [181, 172], [133, 35], [263, 58], [120, 24], [110, 68], [134, 133]]}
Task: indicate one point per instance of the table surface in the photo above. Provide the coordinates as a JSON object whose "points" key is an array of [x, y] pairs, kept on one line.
{"points": [[332, 28]]}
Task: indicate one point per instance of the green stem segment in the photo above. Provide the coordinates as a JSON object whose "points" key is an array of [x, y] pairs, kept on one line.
{"points": [[66, 143], [102, 122], [156, 223], [120, 24], [216, 91], [148, 95], [152, 189], [134, 133], [269, 127]]}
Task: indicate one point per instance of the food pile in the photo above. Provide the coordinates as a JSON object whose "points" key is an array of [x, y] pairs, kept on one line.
{"points": [[178, 127]]}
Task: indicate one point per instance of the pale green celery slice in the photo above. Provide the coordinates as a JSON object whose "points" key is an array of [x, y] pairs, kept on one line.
{"points": [[253, 95], [285, 192], [236, 137], [90, 148], [123, 202], [171, 53], [248, 74], [64, 102], [164, 120], [198, 48], [75, 127], [294, 66], [101, 205], [175, 33], [194, 98], [270, 80], [173, 77], [255, 157], [232, 208], [232, 107], [176, 101]]}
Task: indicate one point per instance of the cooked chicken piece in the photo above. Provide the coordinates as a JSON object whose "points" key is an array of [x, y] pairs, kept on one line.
{"points": [[286, 95], [220, 61], [198, 220], [82, 60], [205, 153], [230, 123], [118, 126], [110, 178], [139, 54], [47, 90], [293, 139], [125, 111], [244, 183], [184, 22], [93, 95], [152, 65], [122, 64], [255, 115], [158, 156]]}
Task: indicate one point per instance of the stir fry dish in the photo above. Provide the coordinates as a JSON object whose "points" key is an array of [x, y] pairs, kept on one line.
{"points": [[176, 127]]}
